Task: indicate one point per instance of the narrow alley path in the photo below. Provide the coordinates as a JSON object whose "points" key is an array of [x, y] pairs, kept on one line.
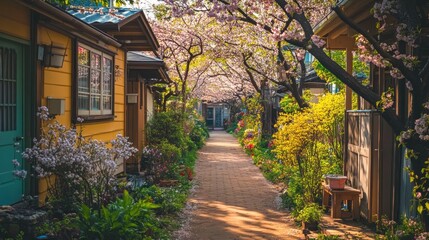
{"points": [[233, 200]]}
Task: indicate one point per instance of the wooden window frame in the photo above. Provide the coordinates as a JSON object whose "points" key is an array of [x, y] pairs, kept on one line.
{"points": [[103, 54]]}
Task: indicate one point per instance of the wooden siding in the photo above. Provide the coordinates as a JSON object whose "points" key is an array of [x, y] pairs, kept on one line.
{"points": [[15, 20], [58, 83]]}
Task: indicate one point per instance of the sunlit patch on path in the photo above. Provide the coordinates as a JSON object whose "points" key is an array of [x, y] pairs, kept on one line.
{"points": [[232, 199]]}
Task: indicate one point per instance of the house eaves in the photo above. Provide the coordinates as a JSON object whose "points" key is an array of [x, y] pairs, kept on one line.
{"points": [[336, 32], [152, 69], [68, 21], [128, 26]]}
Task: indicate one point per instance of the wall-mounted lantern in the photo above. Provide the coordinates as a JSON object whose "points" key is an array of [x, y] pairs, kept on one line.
{"points": [[52, 56]]}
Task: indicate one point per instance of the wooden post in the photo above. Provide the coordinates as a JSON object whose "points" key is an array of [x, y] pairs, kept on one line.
{"points": [[349, 68]]}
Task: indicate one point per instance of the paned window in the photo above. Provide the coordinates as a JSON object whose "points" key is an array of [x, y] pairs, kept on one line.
{"points": [[8, 97], [95, 82]]}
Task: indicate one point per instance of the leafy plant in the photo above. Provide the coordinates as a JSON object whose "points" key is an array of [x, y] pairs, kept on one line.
{"points": [[7, 236], [199, 133], [65, 228], [408, 228], [123, 219], [327, 237], [310, 213], [293, 197], [170, 200], [166, 126]]}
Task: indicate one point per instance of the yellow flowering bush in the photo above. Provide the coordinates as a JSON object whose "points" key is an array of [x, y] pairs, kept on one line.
{"points": [[310, 142]]}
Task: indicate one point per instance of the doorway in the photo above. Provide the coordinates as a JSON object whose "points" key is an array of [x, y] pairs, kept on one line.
{"points": [[11, 119]]}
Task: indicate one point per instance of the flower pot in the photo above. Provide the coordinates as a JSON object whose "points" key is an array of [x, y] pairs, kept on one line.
{"points": [[336, 181]]}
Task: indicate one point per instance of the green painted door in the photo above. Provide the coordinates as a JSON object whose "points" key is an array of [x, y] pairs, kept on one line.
{"points": [[218, 117], [11, 120], [210, 118]]}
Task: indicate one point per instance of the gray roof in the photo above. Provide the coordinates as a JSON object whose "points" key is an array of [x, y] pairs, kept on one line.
{"points": [[140, 57], [102, 14]]}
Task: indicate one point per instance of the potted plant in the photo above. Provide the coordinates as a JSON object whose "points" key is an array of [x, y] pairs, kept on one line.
{"points": [[310, 216], [335, 181]]}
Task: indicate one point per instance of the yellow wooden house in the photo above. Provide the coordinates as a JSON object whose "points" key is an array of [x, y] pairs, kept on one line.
{"points": [[56, 58]]}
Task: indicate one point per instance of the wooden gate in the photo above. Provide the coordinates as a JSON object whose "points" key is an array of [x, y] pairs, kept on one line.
{"points": [[369, 162]]}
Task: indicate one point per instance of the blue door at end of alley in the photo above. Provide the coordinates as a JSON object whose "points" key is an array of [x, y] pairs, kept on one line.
{"points": [[11, 120]]}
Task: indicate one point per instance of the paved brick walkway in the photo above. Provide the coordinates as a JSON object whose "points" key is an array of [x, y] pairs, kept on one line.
{"points": [[233, 200]]}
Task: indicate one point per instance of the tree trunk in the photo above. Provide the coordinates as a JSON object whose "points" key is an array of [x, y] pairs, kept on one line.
{"points": [[267, 110]]}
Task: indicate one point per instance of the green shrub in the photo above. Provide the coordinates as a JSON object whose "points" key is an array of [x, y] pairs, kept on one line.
{"points": [[202, 125], [190, 145], [231, 127], [310, 213], [170, 151], [161, 161], [327, 237], [293, 197], [65, 228], [199, 134], [166, 126], [170, 200], [407, 228], [122, 219]]}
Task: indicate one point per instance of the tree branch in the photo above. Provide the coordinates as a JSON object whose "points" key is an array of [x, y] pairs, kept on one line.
{"points": [[408, 74]]}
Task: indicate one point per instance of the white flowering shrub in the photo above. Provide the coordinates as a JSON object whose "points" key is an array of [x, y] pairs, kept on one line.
{"points": [[76, 169]]}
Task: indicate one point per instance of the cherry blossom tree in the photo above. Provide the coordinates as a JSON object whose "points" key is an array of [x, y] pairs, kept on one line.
{"points": [[292, 22], [183, 50]]}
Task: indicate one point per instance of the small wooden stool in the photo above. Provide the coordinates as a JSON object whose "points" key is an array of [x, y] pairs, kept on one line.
{"points": [[338, 196]]}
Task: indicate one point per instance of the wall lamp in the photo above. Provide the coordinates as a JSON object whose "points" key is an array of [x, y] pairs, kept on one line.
{"points": [[52, 56]]}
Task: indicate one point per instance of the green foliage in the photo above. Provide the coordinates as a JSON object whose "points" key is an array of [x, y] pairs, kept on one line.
{"points": [[65, 228], [339, 56], [327, 237], [170, 151], [166, 126], [5, 235], [189, 158], [252, 118], [173, 142], [161, 161], [122, 219], [199, 133], [310, 213], [231, 127], [161, 11], [289, 105], [272, 168], [420, 192], [170, 200], [293, 197], [408, 228]]}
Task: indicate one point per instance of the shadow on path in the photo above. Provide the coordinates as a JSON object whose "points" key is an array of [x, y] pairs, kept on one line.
{"points": [[233, 200]]}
